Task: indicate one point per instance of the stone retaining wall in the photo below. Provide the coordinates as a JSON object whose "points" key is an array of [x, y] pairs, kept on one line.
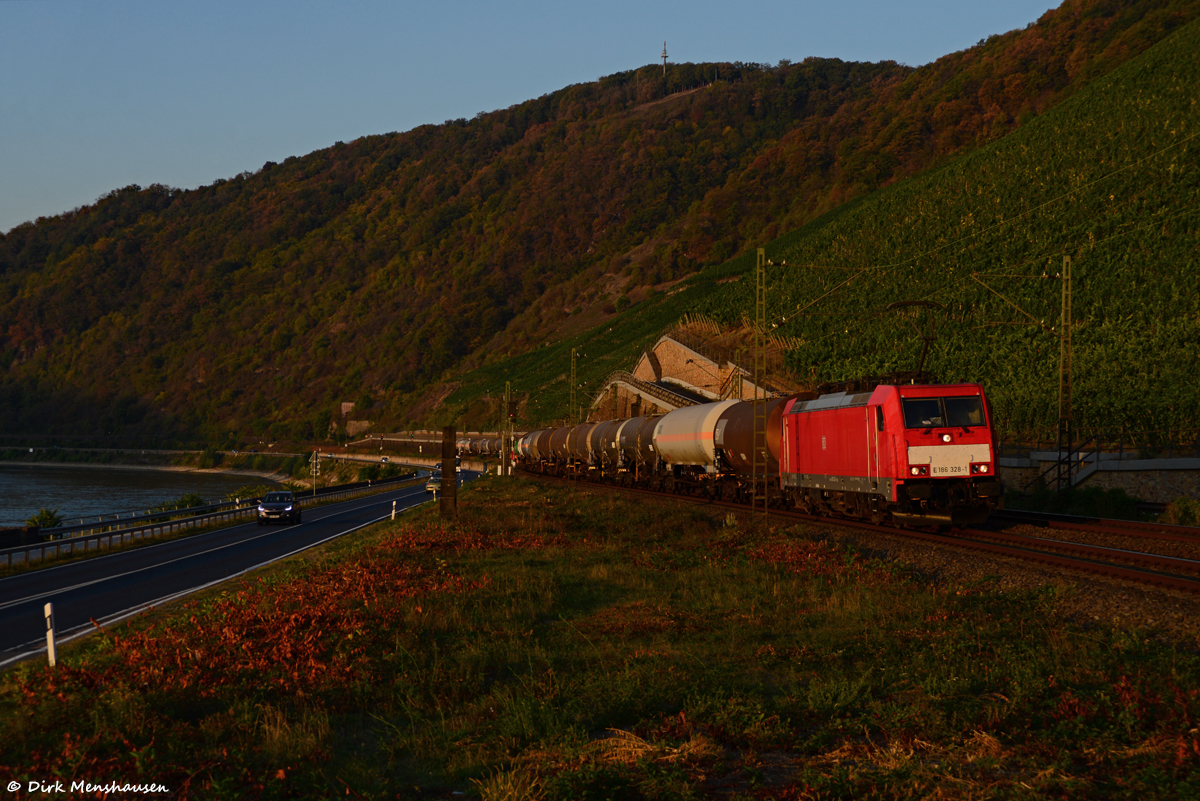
{"points": [[1145, 481]]}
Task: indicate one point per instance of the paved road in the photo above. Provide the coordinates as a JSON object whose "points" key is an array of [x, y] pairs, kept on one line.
{"points": [[113, 587]]}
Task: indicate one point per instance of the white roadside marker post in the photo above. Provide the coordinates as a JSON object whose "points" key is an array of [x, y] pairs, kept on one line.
{"points": [[49, 610], [393, 510]]}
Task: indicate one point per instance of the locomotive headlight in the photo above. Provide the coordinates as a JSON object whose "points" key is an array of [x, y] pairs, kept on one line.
{"points": [[916, 471], [945, 437]]}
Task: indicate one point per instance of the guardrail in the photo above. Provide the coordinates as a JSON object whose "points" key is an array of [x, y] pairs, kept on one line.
{"points": [[56, 544]]}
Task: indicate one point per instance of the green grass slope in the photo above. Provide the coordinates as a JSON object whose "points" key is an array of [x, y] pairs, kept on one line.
{"points": [[1109, 178]]}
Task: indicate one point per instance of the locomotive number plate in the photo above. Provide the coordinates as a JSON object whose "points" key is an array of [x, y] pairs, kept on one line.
{"points": [[949, 461]]}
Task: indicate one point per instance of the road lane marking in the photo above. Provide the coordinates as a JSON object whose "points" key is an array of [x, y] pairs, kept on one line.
{"points": [[226, 530], [116, 617]]}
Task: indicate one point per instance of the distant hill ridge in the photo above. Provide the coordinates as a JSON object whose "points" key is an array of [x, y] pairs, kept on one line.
{"points": [[368, 270]]}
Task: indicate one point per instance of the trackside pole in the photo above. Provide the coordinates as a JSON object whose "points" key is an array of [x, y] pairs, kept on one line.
{"points": [[49, 610], [449, 502]]}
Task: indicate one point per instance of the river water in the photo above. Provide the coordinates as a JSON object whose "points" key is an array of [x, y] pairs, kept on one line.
{"points": [[84, 491]]}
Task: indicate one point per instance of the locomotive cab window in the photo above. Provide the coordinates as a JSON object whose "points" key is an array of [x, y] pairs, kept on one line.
{"points": [[964, 412], [922, 412], [943, 412]]}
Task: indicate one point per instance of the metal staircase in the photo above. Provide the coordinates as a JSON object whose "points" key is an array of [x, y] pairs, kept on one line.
{"points": [[1074, 464]]}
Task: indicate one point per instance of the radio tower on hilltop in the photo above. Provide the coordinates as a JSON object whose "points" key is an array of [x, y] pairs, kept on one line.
{"points": [[664, 58]]}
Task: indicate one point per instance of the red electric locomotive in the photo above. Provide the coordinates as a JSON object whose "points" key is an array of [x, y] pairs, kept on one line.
{"points": [[917, 454]]}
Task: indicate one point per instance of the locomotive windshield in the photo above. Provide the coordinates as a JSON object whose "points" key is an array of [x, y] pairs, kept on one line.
{"points": [[965, 412], [943, 412]]}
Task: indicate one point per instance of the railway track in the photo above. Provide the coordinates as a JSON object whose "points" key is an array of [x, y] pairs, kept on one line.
{"points": [[1160, 531], [1131, 564]]}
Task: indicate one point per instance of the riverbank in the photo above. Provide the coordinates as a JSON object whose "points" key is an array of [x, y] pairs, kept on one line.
{"points": [[275, 476], [78, 491], [284, 467]]}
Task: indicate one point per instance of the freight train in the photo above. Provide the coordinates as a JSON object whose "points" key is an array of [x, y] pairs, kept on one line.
{"points": [[917, 454]]}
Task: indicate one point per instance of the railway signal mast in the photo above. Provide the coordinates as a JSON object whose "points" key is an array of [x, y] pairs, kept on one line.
{"points": [[760, 491], [1062, 469], [572, 412], [508, 412], [1064, 381]]}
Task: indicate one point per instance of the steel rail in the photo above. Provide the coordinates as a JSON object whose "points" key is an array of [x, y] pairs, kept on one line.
{"points": [[1083, 549], [1100, 525], [1024, 554]]}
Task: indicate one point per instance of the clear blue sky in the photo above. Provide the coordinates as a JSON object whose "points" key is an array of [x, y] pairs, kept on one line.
{"points": [[99, 94]]}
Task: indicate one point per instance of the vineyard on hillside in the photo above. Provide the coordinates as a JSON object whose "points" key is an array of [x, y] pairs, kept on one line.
{"points": [[1109, 178]]}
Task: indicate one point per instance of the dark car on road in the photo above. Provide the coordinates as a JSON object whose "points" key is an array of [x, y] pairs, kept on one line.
{"points": [[281, 507]]}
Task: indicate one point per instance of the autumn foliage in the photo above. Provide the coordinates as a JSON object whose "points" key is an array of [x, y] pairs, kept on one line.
{"points": [[366, 270]]}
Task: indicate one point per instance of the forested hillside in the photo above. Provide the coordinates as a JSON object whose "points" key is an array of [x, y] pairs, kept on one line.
{"points": [[366, 271], [1109, 178]]}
